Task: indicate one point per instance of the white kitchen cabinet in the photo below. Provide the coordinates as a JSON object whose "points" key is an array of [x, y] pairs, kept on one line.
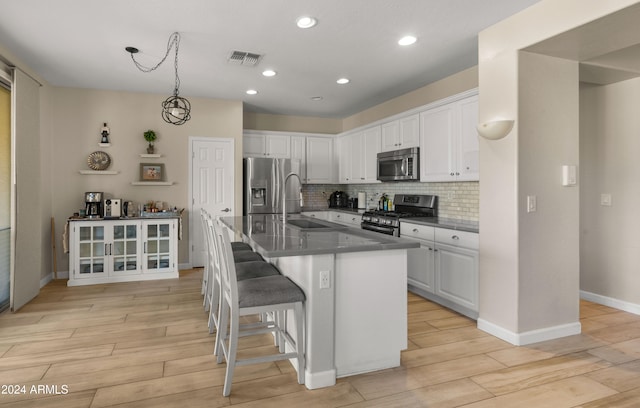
{"points": [[357, 153], [449, 142], [401, 134], [344, 218], [321, 215], [370, 147], [159, 240], [456, 266], [320, 160], [445, 267], [266, 145], [420, 261], [343, 153], [103, 251], [299, 152]]}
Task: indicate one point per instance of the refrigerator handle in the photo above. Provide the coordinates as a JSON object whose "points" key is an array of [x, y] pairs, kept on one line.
{"points": [[274, 184]]}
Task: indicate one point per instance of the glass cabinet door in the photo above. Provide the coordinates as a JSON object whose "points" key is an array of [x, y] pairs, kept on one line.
{"points": [[91, 250], [158, 254], [124, 248]]}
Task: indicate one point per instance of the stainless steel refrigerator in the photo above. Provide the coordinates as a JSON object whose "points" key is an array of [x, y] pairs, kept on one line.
{"points": [[264, 185]]}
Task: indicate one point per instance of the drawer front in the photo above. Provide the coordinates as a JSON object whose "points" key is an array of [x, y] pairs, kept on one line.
{"points": [[463, 239], [410, 230]]}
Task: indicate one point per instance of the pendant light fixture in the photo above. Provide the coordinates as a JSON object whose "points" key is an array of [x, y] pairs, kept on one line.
{"points": [[175, 109]]}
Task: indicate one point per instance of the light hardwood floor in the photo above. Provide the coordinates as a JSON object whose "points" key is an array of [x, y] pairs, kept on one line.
{"points": [[146, 344]]}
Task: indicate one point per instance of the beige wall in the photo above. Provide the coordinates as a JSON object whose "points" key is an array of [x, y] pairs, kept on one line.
{"points": [[514, 281], [287, 123], [77, 117], [549, 237], [609, 146]]}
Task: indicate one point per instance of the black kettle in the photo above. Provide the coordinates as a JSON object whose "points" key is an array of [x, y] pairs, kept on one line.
{"points": [[338, 199]]}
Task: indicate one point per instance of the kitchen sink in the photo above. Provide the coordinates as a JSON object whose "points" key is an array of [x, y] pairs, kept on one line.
{"points": [[307, 224]]}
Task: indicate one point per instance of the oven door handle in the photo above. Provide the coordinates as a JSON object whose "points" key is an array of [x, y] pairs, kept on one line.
{"points": [[370, 227]]}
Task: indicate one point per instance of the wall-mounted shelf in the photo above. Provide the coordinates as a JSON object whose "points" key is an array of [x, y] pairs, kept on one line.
{"points": [[152, 183], [150, 156], [104, 144], [99, 172]]}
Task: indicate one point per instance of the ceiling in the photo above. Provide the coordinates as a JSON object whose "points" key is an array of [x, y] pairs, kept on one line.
{"points": [[81, 43]]}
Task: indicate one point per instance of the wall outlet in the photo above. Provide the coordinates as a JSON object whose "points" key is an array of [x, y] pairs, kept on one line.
{"points": [[325, 280]]}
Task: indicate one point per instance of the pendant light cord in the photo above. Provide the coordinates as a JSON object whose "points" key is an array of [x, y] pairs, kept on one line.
{"points": [[174, 39]]}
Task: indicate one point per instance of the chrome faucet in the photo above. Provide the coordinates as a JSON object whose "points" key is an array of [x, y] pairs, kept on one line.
{"points": [[284, 196]]}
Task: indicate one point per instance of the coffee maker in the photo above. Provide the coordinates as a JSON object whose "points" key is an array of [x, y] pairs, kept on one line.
{"points": [[93, 205]]}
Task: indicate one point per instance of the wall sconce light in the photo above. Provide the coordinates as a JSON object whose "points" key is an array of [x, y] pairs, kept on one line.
{"points": [[495, 129]]}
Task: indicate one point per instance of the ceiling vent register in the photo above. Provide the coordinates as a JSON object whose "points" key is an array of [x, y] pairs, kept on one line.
{"points": [[249, 59]]}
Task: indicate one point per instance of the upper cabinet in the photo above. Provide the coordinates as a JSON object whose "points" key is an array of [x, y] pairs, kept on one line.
{"points": [[358, 155], [266, 145], [299, 151], [401, 134], [449, 142], [315, 152], [320, 160]]}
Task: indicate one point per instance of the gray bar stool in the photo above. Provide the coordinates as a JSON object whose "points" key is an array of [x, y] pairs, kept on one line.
{"points": [[275, 294]]}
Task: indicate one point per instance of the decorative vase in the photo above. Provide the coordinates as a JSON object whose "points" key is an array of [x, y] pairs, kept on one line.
{"points": [[150, 149]]}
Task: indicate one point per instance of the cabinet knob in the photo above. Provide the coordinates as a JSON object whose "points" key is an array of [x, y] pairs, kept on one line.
{"points": [[457, 173], [451, 174], [415, 230], [226, 210], [455, 237]]}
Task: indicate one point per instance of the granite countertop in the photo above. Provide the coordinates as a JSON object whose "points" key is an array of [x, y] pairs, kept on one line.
{"points": [[272, 238], [440, 222], [449, 223]]}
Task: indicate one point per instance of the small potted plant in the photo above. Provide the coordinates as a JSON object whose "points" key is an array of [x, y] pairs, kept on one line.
{"points": [[150, 136]]}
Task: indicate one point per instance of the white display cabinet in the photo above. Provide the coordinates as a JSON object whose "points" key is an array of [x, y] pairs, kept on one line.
{"points": [[105, 251]]}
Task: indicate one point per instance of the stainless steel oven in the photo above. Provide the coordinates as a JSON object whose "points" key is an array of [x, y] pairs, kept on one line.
{"points": [[399, 165], [406, 205]]}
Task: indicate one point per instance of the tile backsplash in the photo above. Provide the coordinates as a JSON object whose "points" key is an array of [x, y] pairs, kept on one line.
{"points": [[455, 200]]}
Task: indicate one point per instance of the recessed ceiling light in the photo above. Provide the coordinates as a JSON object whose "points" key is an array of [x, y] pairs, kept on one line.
{"points": [[343, 81], [269, 73], [306, 22], [252, 92], [316, 98], [407, 40]]}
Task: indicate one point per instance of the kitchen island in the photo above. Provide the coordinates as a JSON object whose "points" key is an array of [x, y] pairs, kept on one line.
{"points": [[355, 283]]}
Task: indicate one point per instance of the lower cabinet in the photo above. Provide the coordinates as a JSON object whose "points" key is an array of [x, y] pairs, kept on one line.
{"points": [[344, 218], [104, 251], [445, 267]]}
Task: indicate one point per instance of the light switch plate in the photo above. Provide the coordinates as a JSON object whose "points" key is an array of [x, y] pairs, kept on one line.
{"points": [[569, 176], [605, 199], [532, 203]]}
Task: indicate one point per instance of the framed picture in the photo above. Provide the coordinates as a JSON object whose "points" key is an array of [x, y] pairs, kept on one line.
{"points": [[152, 172]]}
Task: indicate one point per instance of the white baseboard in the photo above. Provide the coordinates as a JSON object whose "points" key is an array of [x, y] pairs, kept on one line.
{"points": [[611, 302], [49, 277], [65, 274], [530, 337]]}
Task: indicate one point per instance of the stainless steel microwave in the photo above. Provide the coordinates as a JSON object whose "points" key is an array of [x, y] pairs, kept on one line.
{"points": [[399, 165]]}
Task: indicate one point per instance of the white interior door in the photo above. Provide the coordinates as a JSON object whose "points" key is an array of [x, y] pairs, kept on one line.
{"points": [[212, 184]]}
